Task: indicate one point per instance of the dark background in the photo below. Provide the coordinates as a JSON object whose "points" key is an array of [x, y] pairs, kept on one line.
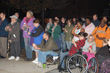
{"points": [[74, 8]]}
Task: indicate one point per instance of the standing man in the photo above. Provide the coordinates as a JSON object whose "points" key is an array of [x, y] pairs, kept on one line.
{"points": [[3, 35], [17, 15], [14, 38], [95, 21]]}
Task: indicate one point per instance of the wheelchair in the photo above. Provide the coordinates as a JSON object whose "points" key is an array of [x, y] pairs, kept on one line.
{"points": [[78, 63]]}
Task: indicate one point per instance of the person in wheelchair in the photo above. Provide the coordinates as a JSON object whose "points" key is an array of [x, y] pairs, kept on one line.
{"points": [[76, 46], [47, 47], [104, 52], [89, 48]]}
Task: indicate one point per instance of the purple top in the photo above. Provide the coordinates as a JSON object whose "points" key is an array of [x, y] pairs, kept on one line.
{"points": [[29, 23]]}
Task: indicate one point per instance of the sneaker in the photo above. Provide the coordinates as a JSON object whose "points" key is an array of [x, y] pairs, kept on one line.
{"points": [[11, 58], [35, 61], [17, 58], [55, 57], [40, 65]]}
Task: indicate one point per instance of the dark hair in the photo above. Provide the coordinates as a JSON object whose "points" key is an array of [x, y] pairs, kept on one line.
{"points": [[88, 18], [96, 15], [3, 13], [47, 33], [17, 13], [70, 20], [81, 23], [83, 34], [36, 21]]}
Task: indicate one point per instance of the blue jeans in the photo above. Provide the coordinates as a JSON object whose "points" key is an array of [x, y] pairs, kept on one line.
{"points": [[28, 48], [63, 41], [62, 55], [68, 44], [42, 56]]}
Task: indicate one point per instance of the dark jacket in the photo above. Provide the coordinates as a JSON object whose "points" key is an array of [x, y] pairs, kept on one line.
{"points": [[15, 31], [3, 24], [50, 45], [62, 25], [96, 23], [37, 35]]}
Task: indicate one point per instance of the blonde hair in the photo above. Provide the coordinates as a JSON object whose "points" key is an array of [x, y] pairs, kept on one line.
{"points": [[89, 38], [31, 13]]}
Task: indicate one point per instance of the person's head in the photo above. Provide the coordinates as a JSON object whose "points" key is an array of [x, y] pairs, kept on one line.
{"points": [[36, 22], [105, 41], [17, 14], [13, 18], [74, 19], [90, 38], [105, 19], [69, 21], [63, 20], [56, 18], [46, 35], [102, 24], [95, 17], [82, 35], [2, 15], [79, 24], [29, 14], [88, 20], [50, 20], [55, 22]]}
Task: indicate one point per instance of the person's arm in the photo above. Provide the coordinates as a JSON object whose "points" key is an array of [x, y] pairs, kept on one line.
{"points": [[73, 31], [94, 47], [80, 44], [21, 25], [107, 33], [94, 32], [47, 47], [39, 30]]}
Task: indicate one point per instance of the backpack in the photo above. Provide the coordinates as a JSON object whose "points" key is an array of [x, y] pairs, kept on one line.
{"points": [[105, 67]]}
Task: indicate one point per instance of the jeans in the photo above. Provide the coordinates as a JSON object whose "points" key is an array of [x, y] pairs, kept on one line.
{"points": [[63, 41], [68, 44], [28, 48], [42, 56], [62, 55]]}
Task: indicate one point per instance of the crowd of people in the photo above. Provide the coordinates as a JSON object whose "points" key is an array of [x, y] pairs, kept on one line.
{"points": [[90, 35]]}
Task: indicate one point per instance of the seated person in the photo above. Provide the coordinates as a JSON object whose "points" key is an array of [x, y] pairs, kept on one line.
{"points": [[46, 48], [90, 47], [73, 50], [104, 52], [36, 36]]}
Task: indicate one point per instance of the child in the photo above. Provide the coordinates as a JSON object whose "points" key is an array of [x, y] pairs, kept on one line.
{"points": [[37, 35]]}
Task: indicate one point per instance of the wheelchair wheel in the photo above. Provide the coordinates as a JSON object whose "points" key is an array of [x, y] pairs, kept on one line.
{"points": [[93, 65], [77, 64]]}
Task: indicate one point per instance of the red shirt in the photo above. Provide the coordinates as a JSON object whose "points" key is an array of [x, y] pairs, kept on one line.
{"points": [[73, 49]]}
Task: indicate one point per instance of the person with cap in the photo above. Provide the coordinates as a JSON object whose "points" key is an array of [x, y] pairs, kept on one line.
{"points": [[14, 38]]}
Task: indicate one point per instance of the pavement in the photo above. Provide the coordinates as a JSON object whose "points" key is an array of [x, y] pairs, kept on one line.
{"points": [[22, 66]]}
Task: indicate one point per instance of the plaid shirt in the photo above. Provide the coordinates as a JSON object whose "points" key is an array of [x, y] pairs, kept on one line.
{"points": [[73, 49]]}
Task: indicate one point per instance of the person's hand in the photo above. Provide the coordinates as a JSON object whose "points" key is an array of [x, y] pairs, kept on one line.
{"points": [[22, 28], [66, 30], [35, 46], [9, 41], [29, 33], [75, 26], [10, 29], [98, 37], [63, 28]]}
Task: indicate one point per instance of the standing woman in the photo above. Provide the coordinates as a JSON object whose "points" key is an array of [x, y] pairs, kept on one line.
{"points": [[68, 36], [27, 26], [56, 30], [77, 29]]}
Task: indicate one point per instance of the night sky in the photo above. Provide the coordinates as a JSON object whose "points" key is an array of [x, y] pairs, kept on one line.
{"points": [[74, 8]]}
